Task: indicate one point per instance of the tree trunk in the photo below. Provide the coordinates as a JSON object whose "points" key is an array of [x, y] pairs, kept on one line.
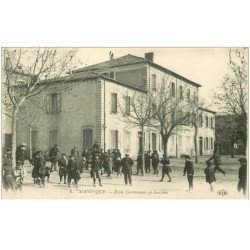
{"points": [[143, 149], [165, 144], [30, 139], [195, 144], [13, 133]]}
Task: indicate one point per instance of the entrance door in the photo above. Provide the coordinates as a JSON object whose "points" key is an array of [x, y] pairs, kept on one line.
{"points": [[87, 138], [200, 146]]}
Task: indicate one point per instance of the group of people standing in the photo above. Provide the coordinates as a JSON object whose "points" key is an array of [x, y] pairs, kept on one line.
{"points": [[100, 162]]}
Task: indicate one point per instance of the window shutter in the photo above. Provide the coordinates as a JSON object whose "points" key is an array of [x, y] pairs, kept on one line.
{"points": [[59, 103], [48, 103]]}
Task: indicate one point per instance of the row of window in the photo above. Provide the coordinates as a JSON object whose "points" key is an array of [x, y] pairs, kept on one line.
{"points": [[209, 122], [173, 88], [208, 143]]}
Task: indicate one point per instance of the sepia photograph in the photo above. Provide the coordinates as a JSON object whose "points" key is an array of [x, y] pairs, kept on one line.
{"points": [[124, 123]]}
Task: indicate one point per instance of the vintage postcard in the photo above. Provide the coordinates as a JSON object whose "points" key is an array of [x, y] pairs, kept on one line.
{"points": [[124, 123]]}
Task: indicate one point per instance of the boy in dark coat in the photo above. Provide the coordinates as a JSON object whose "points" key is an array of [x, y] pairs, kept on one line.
{"points": [[106, 165], [73, 172], [63, 164], [242, 175], [165, 168], [139, 163], [189, 170], [53, 157], [155, 162], [210, 176], [20, 153], [39, 169], [95, 169], [217, 161], [74, 152], [127, 164]]}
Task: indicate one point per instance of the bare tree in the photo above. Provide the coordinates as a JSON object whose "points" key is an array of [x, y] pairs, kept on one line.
{"points": [[195, 118], [232, 96], [170, 108], [137, 112], [26, 74]]}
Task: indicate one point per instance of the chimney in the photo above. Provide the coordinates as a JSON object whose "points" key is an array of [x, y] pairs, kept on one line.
{"points": [[150, 56]]}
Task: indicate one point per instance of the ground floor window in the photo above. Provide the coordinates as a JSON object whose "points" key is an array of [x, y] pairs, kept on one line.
{"points": [[212, 143], [87, 138]]}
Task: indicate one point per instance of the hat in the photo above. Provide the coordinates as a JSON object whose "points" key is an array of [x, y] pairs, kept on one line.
{"points": [[187, 157], [155, 151], [19, 162], [64, 154], [126, 154], [56, 145], [243, 160]]}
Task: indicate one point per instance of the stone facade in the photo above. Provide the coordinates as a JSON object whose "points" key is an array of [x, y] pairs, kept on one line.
{"points": [[86, 116]]}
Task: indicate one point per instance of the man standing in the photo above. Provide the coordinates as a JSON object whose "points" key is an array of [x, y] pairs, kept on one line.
{"points": [[189, 169], [87, 155], [63, 164], [74, 152], [39, 169], [53, 156], [127, 164], [165, 168], [139, 163], [217, 160], [95, 169], [155, 162], [73, 172], [243, 175], [210, 176], [20, 153]]}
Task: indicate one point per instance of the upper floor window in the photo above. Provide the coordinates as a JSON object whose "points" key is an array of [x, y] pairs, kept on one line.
{"points": [[206, 122], [173, 89], [114, 103], [153, 86], [154, 110], [54, 102], [188, 95], [200, 121], [181, 92], [212, 122], [127, 105]]}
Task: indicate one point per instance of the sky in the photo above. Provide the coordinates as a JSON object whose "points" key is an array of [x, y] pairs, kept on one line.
{"points": [[206, 66]]}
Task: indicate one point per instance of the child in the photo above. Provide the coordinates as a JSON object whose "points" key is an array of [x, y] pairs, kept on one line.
{"points": [[165, 168], [210, 176], [189, 169], [19, 173]]}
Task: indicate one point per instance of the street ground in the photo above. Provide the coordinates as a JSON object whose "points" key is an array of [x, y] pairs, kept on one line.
{"points": [[146, 187]]}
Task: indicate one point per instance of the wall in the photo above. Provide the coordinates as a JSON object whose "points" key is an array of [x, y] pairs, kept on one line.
{"points": [[79, 111]]}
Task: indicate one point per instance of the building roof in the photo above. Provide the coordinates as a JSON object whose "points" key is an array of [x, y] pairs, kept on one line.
{"points": [[87, 75], [117, 62], [132, 60], [207, 110]]}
